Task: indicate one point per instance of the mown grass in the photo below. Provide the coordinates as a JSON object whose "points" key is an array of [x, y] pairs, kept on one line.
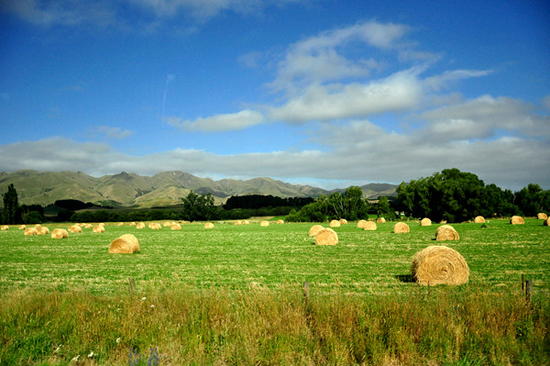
{"points": [[233, 295]]}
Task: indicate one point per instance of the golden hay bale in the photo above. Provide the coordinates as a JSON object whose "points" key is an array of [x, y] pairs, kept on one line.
{"points": [[335, 223], [141, 225], [326, 237], [209, 225], [37, 226], [361, 224], [246, 222], [370, 225], [401, 227], [42, 230], [120, 224], [99, 229], [446, 232], [133, 223], [380, 220], [264, 223], [155, 226], [479, 220], [343, 221], [546, 222], [126, 244], [443, 221], [315, 229], [59, 234], [425, 222], [167, 224], [280, 222], [22, 227], [175, 226], [542, 216], [30, 231], [238, 222], [88, 226], [439, 265], [75, 229], [517, 220], [101, 224], [5, 227]]}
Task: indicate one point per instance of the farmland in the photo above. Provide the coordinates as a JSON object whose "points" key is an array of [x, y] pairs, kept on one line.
{"points": [[264, 268]]}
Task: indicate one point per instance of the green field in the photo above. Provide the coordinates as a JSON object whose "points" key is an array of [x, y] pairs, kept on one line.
{"points": [[231, 270]]}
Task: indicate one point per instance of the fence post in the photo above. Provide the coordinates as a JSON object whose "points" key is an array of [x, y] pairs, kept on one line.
{"points": [[305, 288], [131, 285], [528, 288]]}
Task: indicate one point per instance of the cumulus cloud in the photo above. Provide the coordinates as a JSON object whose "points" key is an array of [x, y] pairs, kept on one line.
{"points": [[221, 122], [397, 92], [113, 132]]}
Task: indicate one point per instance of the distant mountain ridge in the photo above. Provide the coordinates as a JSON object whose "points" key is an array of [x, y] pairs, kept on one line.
{"points": [[162, 189]]}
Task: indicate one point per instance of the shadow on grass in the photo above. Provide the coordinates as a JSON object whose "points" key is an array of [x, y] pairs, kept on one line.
{"points": [[405, 278]]}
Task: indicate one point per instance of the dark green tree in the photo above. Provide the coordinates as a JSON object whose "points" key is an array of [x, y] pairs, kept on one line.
{"points": [[531, 200], [198, 207], [384, 208], [11, 214]]}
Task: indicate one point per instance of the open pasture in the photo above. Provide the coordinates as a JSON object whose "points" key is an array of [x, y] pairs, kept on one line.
{"points": [[241, 256]]}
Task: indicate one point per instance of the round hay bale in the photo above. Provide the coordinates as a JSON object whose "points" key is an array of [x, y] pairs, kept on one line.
{"points": [[370, 225], [42, 230], [335, 223], [479, 220], [209, 225], [155, 226], [246, 222], [75, 229], [425, 222], [59, 234], [5, 227], [141, 225], [22, 227], [120, 224], [517, 220], [326, 237], [343, 221], [133, 223], [99, 229], [315, 229], [439, 265], [238, 222], [361, 224], [546, 222], [37, 226], [401, 227], [101, 224], [126, 244], [446, 232], [264, 223], [380, 220], [175, 226], [167, 224], [279, 222], [443, 221], [30, 231], [542, 216]]}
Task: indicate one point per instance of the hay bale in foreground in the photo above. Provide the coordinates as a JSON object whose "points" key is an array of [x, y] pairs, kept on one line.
{"points": [[439, 265], [126, 244], [335, 223], [5, 227], [30, 231], [315, 229], [264, 223], [446, 232], [380, 220], [370, 225], [175, 226], [326, 237], [209, 225], [425, 222], [59, 234], [517, 220], [542, 216], [479, 220], [401, 227]]}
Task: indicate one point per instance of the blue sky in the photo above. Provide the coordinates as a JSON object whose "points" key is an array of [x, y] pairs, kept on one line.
{"points": [[328, 93]]}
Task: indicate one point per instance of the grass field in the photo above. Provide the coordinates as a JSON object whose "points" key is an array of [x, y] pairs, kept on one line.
{"points": [[244, 284]]}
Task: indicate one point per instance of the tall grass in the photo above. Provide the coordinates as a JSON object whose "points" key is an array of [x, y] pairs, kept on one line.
{"points": [[448, 326]]}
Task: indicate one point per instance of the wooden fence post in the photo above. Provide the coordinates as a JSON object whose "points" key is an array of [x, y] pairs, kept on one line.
{"points": [[131, 285]]}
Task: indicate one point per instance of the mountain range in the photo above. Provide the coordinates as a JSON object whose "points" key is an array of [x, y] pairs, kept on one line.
{"points": [[162, 189]]}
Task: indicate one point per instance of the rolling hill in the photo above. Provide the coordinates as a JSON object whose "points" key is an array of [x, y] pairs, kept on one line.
{"points": [[163, 189]]}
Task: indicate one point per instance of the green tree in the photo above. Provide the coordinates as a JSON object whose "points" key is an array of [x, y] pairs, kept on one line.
{"points": [[198, 207], [531, 200], [11, 214], [384, 208]]}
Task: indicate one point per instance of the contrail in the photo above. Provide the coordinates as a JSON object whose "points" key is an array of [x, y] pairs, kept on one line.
{"points": [[169, 78]]}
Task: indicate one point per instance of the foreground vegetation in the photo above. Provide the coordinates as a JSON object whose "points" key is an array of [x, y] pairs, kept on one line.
{"points": [[234, 295]]}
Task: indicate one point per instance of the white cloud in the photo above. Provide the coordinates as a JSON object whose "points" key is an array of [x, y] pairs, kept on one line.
{"points": [[114, 132], [397, 92], [221, 122]]}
